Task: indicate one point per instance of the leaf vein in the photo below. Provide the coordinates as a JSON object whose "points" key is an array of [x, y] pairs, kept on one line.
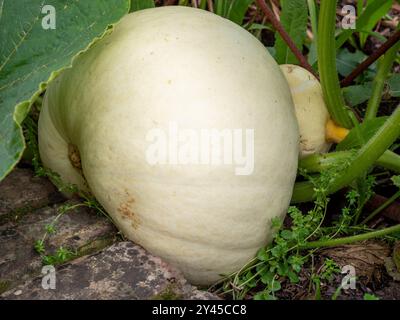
{"points": [[17, 45]]}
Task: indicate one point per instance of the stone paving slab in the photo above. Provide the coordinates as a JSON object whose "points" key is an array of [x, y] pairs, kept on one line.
{"points": [[79, 230], [103, 267], [122, 271], [21, 191]]}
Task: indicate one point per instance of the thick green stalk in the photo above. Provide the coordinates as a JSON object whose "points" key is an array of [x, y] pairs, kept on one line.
{"points": [[385, 65], [347, 240], [390, 160], [327, 64], [320, 162], [219, 8], [203, 4], [365, 158], [303, 192], [371, 151]]}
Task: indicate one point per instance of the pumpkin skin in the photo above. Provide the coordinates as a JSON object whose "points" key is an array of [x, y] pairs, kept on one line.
{"points": [[311, 112], [196, 69]]}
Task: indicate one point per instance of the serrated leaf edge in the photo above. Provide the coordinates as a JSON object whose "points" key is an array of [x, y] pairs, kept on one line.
{"points": [[20, 107]]}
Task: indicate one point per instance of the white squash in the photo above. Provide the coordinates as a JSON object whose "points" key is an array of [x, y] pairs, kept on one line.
{"points": [[185, 68], [311, 111]]}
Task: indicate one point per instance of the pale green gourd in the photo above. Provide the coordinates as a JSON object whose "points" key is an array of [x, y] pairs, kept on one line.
{"points": [[195, 69]]}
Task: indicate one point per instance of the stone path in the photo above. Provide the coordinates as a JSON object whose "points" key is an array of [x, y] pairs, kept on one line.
{"points": [[104, 267]]}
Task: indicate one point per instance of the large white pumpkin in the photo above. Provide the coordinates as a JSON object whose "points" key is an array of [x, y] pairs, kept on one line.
{"points": [[163, 71]]}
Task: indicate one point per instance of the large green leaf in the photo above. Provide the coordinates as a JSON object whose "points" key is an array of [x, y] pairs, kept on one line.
{"points": [[294, 17], [394, 85], [347, 61], [137, 5], [233, 10], [31, 56], [357, 94]]}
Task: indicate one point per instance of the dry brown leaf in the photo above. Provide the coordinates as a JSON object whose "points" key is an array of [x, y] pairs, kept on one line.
{"points": [[392, 264], [392, 269], [366, 257], [396, 255]]}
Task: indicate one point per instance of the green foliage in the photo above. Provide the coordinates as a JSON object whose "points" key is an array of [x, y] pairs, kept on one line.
{"points": [[61, 254], [59, 257], [313, 13], [357, 94], [380, 8], [325, 273], [31, 56], [368, 296], [40, 247], [137, 5], [233, 10], [327, 65], [396, 181], [285, 257], [394, 85], [360, 134], [385, 65], [374, 11], [329, 269], [294, 17], [283, 260], [347, 61], [169, 293], [365, 158]]}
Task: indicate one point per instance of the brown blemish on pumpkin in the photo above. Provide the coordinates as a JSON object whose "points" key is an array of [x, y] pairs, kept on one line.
{"points": [[74, 156], [75, 160], [125, 209], [290, 69]]}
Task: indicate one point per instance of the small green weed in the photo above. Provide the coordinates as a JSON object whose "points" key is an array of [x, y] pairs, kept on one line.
{"points": [[284, 258], [61, 254]]}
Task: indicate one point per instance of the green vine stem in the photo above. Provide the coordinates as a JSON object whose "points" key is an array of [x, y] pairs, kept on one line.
{"points": [[203, 4], [327, 64], [313, 18], [364, 158], [382, 207], [312, 56], [320, 162], [384, 68], [347, 240]]}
